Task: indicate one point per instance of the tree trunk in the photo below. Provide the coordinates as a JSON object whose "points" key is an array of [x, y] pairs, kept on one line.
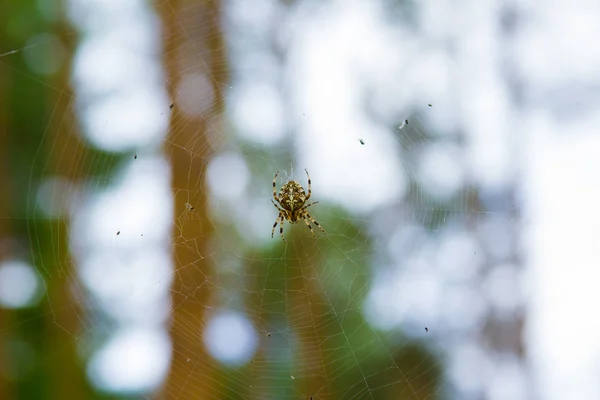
{"points": [[193, 371]]}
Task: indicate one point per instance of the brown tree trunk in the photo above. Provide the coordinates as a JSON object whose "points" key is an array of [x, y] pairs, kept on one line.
{"points": [[36, 138], [193, 371]]}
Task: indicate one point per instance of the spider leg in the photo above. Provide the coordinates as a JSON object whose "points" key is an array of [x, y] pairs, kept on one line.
{"points": [[309, 191], [279, 217], [275, 224], [310, 227], [305, 214], [274, 188], [277, 207], [314, 202], [281, 228]]}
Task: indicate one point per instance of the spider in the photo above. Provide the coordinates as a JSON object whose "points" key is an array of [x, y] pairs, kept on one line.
{"points": [[292, 200]]}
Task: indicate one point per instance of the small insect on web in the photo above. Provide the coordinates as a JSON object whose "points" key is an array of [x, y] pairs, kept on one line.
{"points": [[292, 200]]}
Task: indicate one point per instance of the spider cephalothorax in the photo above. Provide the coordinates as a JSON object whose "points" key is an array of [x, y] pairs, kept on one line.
{"points": [[292, 198]]}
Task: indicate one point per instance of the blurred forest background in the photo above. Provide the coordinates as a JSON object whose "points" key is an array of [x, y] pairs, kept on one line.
{"points": [[138, 142]]}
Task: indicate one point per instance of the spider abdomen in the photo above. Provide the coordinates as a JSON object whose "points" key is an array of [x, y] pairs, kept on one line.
{"points": [[292, 196]]}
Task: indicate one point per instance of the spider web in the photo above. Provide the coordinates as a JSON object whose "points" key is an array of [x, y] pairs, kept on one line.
{"points": [[148, 205]]}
